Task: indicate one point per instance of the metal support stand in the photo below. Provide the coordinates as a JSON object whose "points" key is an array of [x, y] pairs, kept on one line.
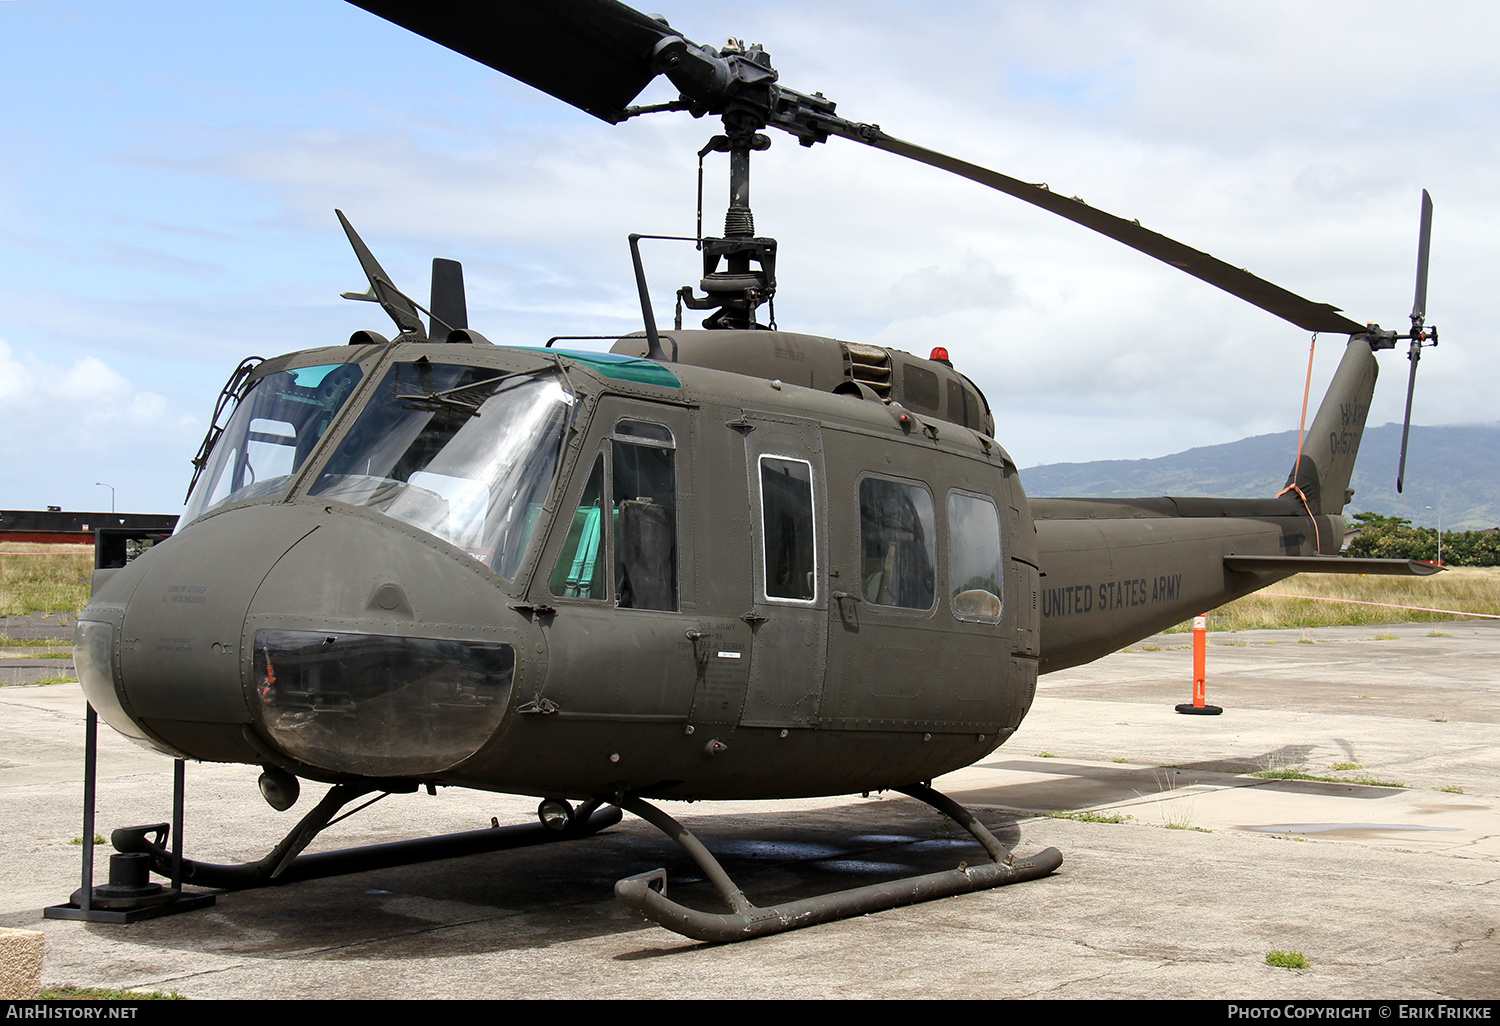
{"points": [[646, 892], [129, 896]]}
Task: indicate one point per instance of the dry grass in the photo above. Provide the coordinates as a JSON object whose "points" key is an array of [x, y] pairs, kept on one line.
{"points": [[44, 578], [6, 641], [1466, 589]]}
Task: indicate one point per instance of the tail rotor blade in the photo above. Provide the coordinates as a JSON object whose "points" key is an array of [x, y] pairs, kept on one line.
{"points": [[1424, 244], [1411, 384], [1418, 325]]}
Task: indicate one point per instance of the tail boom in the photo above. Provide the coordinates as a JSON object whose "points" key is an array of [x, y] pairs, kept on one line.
{"points": [[1114, 571]]}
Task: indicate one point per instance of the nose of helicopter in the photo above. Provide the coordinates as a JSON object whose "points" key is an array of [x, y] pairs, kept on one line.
{"points": [[306, 632], [160, 639]]}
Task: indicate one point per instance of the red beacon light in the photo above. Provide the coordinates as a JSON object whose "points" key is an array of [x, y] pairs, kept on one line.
{"points": [[940, 355]]}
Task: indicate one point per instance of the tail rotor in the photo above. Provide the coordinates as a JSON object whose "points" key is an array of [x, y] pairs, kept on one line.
{"points": [[1421, 334]]}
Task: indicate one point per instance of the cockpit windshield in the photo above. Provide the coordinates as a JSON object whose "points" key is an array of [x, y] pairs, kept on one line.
{"points": [[464, 453], [273, 430]]}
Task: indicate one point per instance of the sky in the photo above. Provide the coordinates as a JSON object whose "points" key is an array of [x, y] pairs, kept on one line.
{"points": [[172, 166]]}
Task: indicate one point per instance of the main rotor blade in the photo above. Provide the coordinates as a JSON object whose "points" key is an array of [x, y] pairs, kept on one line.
{"points": [[1424, 243], [599, 54], [593, 54], [1237, 281]]}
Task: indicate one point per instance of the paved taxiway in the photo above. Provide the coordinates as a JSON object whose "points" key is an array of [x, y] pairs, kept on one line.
{"points": [[1388, 891]]}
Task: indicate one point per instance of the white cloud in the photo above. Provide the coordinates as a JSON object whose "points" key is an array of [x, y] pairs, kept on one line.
{"points": [[64, 427], [1280, 136]]}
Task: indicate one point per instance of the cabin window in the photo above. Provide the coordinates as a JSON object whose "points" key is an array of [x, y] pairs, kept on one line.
{"points": [[786, 499], [645, 429], [975, 557], [645, 511], [640, 507], [896, 533]]}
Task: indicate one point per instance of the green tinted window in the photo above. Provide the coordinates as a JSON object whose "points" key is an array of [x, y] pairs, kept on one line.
{"points": [[577, 574]]}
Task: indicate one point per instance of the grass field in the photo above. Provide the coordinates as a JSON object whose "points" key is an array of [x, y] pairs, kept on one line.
{"points": [[44, 578], [1465, 589]]}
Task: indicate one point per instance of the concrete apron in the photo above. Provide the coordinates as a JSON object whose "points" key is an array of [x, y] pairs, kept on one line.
{"points": [[1389, 891]]}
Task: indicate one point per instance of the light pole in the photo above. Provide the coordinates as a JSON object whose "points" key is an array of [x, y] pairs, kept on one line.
{"points": [[111, 488], [1440, 532]]}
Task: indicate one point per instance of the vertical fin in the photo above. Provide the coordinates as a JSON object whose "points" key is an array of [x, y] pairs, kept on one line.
{"points": [[1332, 442]]}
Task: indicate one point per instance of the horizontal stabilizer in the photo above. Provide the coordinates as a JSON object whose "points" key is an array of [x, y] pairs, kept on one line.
{"points": [[1330, 565]]}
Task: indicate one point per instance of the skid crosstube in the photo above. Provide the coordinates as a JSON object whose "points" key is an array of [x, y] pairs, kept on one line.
{"points": [[286, 864], [645, 893]]}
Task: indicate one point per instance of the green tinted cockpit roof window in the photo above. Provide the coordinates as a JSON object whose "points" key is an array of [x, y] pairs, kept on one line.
{"points": [[312, 377], [621, 368]]}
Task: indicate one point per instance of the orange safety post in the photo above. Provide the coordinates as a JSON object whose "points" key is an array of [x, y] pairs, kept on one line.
{"points": [[1199, 707]]}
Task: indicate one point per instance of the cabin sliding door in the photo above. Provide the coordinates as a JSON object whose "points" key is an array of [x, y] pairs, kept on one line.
{"points": [[789, 558]]}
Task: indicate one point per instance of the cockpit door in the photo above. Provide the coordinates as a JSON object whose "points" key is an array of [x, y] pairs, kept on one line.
{"points": [[616, 571]]}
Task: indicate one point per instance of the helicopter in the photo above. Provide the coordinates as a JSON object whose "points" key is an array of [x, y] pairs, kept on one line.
{"points": [[716, 563]]}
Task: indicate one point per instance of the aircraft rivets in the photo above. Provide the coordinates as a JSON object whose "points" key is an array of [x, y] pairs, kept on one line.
{"points": [[614, 756]]}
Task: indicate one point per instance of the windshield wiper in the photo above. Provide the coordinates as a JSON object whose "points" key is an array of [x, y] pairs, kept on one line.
{"points": [[461, 397]]}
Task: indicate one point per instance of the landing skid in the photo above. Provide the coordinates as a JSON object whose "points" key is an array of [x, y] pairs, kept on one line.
{"points": [[646, 892], [286, 864]]}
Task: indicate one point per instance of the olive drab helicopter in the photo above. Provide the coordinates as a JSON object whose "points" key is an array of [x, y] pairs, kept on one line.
{"points": [[728, 562]]}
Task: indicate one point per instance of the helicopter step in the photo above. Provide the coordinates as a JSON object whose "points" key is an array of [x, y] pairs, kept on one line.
{"points": [[646, 894], [286, 864]]}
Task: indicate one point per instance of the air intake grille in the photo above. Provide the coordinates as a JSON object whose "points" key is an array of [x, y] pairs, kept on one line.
{"points": [[870, 365]]}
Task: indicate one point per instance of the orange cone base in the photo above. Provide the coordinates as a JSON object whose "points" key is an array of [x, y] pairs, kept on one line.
{"points": [[1189, 709]]}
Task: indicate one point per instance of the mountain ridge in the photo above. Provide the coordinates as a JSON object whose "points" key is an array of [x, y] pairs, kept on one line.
{"points": [[1454, 469]]}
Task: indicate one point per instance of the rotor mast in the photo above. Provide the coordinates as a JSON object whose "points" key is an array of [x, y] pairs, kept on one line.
{"points": [[748, 275]]}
